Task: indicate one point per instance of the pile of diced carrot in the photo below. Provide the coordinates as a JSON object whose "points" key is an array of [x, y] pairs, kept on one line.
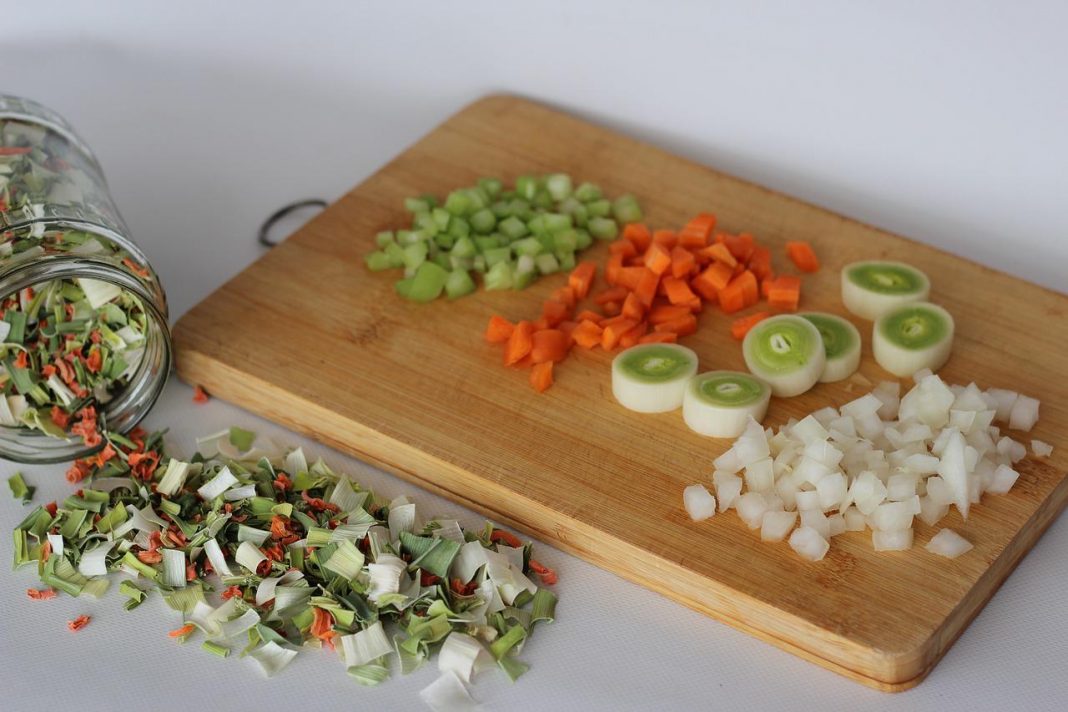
{"points": [[657, 284]]}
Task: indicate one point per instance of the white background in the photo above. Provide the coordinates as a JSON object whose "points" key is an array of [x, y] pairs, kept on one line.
{"points": [[942, 121]]}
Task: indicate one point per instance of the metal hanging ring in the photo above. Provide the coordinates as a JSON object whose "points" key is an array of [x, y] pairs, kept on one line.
{"points": [[265, 229]]}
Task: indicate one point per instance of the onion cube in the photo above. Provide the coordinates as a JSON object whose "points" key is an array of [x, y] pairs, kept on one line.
{"points": [[1004, 478], [948, 543], [776, 525], [898, 540], [808, 543], [700, 504]]}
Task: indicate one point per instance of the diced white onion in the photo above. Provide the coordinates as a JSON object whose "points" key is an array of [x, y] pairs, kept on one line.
{"points": [[948, 543], [895, 540], [776, 525], [1024, 413], [808, 543], [1004, 478], [751, 507], [700, 504], [1041, 449]]}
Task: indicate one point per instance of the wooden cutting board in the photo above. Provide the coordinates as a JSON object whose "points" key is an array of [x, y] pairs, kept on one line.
{"points": [[308, 337]]}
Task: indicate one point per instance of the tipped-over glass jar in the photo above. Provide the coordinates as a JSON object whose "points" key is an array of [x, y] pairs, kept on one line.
{"points": [[84, 340]]}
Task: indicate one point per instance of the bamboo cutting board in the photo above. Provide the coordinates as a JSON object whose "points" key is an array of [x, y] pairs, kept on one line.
{"points": [[308, 337]]}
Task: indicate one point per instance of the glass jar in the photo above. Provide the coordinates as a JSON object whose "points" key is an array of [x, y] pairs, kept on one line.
{"points": [[65, 251]]}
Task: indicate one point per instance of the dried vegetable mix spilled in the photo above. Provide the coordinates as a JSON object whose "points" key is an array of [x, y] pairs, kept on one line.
{"points": [[67, 346], [299, 556]]}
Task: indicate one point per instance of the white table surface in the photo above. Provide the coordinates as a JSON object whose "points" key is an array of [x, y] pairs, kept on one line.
{"points": [[945, 122]]}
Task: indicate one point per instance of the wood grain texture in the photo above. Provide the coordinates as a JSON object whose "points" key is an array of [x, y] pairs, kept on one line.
{"points": [[307, 337]]}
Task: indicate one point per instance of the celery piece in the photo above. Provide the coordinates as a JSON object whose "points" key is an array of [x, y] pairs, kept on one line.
{"points": [[484, 221], [526, 187], [500, 209], [599, 209], [486, 242], [442, 260], [548, 242], [426, 223], [567, 260], [546, 263], [513, 227], [19, 489], [378, 261], [559, 186], [625, 209], [458, 227], [479, 264], [459, 203], [587, 192], [464, 263], [524, 264], [444, 240], [537, 225], [441, 218], [408, 237], [543, 200], [603, 228], [458, 284], [415, 255], [520, 209], [497, 255], [566, 240], [499, 276], [464, 247], [528, 246], [576, 210], [215, 648], [582, 239], [403, 286], [416, 205], [384, 238], [522, 280], [395, 253], [555, 222], [491, 186], [428, 282]]}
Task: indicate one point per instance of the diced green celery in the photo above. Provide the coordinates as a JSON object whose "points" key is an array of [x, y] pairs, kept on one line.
{"points": [[582, 239], [599, 208], [575, 209], [416, 205], [430, 200], [464, 247], [486, 242], [492, 186], [497, 255], [426, 223], [513, 227], [547, 242], [441, 218], [396, 254], [527, 246], [499, 276], [559, 186], [442, 260], [543, 200], [479, 264], [525, 263], [537, 225], [521, 209], [378, 261], [587, 192], [625, 208], [484, 221], [603, 228], [500, 209], [458, 227], [458, 284], [526, 187], [384, 238], [415, 255], [408, 237], [567, 260], [566, 240], [444, 240], [403, 286], [428, 282], [459, 203], [457, 262], [557, 221], [522, 280], [546, 263]]}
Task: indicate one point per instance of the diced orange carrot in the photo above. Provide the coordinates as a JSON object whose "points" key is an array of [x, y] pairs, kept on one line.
{"points": [[565, 295], [646, 289], [587, 334], [741, 246], [678, 291], [743, 291], [568, 327], [682, 262], [525, 362], [750, 287], [625, 248], [667, 238], [638, 234], [784, 294], [633, 307], [634, 335], [611, 308], [697, 231], [802, 255], [629, 277], [183, 631], [554, 312], [705, 291], [612, 294], [498, 330], [718, 252], [668, 312], [612, 267], [683, 326], [541, 376], [717, 275], [760, 262], [765, 285], [614, 330], [541, 323], [519, 343], [581, 279], [637, 261], [657, 258], [549, 345], [741, 326], [589, 315], [659, 337]]}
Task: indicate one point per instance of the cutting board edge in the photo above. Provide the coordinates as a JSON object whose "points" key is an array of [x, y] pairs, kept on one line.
{"points": [[886, 671]]}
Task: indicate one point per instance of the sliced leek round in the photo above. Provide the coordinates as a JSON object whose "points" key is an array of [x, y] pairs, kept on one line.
{"points": [[719, 403], [652, 378], [785, 351], [913, 337], [841, 345], [870, 289]]}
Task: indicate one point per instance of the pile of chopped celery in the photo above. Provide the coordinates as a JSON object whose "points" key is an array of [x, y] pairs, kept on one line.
{"points": [[510, 237], [302, 557]]}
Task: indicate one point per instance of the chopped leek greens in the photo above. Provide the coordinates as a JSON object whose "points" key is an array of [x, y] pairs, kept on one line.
{"points": [[308, 559], [510, 237], [19, 488]]}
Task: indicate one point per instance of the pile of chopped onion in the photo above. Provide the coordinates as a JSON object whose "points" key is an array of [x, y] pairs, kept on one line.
{"points": [[877, 462]]}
